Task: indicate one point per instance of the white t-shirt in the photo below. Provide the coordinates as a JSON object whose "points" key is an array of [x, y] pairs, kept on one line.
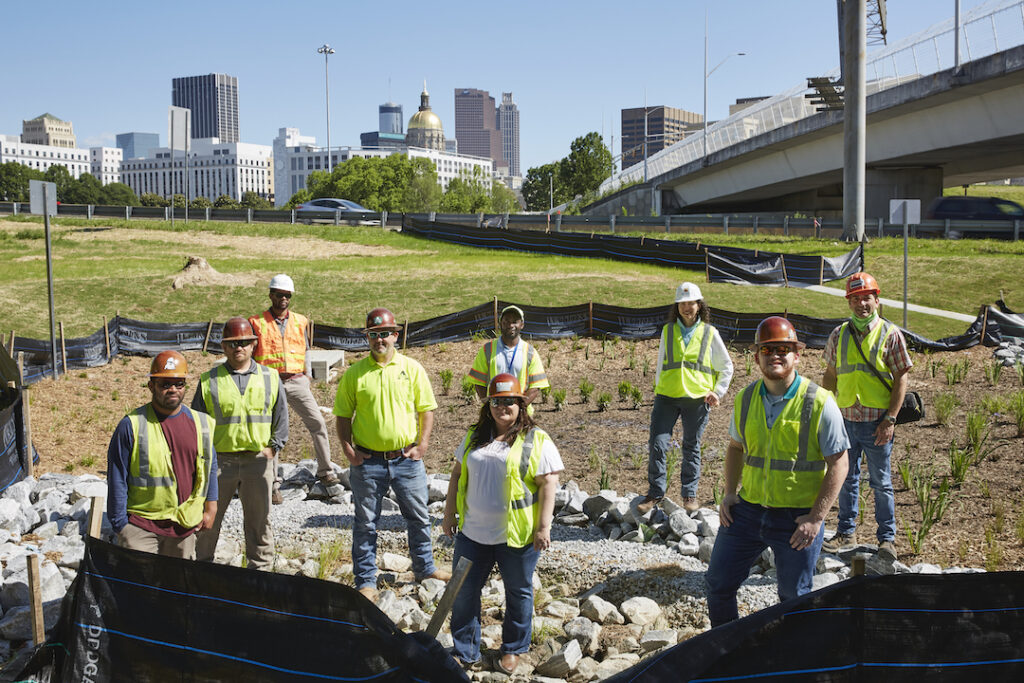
{"points": [[486, 518], [511, 358]]}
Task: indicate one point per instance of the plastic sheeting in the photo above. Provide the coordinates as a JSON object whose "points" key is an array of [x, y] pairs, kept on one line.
{"points": [[13, 446], [134, 616], [907, 627]]}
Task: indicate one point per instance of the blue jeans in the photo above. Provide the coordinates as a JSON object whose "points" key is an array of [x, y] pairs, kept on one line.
{"points": [[694, 414], [516, 566], [738, 546], [370, 482], [862, 440]]}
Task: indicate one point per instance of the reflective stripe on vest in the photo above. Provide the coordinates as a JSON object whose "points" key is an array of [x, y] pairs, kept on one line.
{"points": [[245, 427], [491, 360], [855, 382], [686, 375], [283, 353], [801, 463], [671, 363]]}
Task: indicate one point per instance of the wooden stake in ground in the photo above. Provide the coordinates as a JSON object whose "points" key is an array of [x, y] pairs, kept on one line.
{"points": [[444, 605], [10, 344], [36, 596], [106, 336], [63, 350], [206, 341], [96, 505]]}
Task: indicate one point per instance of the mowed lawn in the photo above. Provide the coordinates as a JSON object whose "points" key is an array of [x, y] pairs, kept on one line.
{"points": [[103, 267]]}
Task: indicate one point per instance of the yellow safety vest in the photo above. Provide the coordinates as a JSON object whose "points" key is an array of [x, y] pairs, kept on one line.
{"points": [[284, 354], [521, 501], [686, 370], [526, 380], [783, 466], [854, 380], [243, 422], [152, 487]]}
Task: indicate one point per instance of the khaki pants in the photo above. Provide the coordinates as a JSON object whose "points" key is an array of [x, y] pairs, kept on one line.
{"points": [[252, 476], [134, 538], [302, 401]]}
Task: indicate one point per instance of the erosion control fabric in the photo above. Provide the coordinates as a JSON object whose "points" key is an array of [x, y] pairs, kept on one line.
{"points": [[133, 616], [907, 627]]}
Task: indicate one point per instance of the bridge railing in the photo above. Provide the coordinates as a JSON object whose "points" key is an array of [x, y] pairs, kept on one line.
{"points": [[984, 30]]}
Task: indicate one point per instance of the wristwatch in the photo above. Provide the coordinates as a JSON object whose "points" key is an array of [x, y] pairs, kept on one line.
{"points": [[891, 419]]}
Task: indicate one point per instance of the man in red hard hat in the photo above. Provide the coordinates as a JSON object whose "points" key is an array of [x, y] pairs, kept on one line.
{"points": [[385, 413], [870, 401], [161, 465], [251, 412], [787, 457]]}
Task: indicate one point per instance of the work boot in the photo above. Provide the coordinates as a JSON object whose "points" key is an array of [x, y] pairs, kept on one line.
{"points": [[275, 496], [690, 504], [369, 592], [837, 542], [439, 573], [647, 504], [331, 483], [887, 551]]}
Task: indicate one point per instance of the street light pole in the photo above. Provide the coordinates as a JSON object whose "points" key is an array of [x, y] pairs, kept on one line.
{"points": [[707, 75], [327, 50], [551, 191]]}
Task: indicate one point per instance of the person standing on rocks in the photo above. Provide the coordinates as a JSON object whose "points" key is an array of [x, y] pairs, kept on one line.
{"points": [[282, 337], [385, 413], [512, 354], [501, 499], [248, 404], [694, 372], [869, 403], [160, 488], [787, 457]]}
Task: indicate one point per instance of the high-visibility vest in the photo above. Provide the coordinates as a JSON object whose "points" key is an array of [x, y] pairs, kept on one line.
{"points": [[854, 380], [526, 379], [243, 421], [521, 501], [152, 487], [783, 466], [284, 354], [686, 369]]}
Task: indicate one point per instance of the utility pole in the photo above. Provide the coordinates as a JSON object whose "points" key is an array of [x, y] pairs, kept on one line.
{"points": [[854, 118]]}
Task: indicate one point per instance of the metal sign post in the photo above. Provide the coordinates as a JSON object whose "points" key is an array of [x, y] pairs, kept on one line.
{"points": [[907, 211], [43, 198]]}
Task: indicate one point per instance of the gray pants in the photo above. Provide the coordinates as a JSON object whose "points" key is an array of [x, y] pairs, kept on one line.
{"points": [[302, 401], [134, 538], [252, 476]]}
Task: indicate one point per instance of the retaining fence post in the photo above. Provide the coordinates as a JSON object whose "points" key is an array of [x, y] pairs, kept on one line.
{"points": [[785, 225], [36, 592], [611, 223], [945, 230], [106, 336], [127, 212], [15, 209], [10, 345], [707, 265], [1016, 229], [405, 334], [96, 505], [785, 275], [206, 340], [504, 222], [63, 350], [821, 271], [167, 213], [312, 332], [444, 605], [725, 224], [984, 323], [293, 216], [88, 212], [206, 213], [668, 223], [433, 217], [496, 313], [383, 219], [590, 318], [881, 228], [558, 223], [480, 220]]}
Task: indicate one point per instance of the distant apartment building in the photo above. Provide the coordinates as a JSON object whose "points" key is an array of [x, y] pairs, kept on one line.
{"points": [[134, 145], [665, 126], [105, 164], [215, 168], [48, 130], [476, 127], [213, 99], [42, 157], [508, 124], [744, 102]]}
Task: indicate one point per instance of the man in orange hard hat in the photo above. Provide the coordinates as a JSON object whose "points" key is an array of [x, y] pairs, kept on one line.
{"points": [[787, 457], [161, 465], [870, 400]]}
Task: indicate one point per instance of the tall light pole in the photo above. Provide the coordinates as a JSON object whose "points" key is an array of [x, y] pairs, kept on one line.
{"points": [[326, 50], [551, 191], [707, 74]]}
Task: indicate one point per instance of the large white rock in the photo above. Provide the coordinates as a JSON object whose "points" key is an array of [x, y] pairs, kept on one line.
{"points": [[599, 610], [585, 632], [689, 545], [599, 503], [640, 610], [655, 640], [437, 489], [20, 491], [11, 517], [563, 662], [560, 610], [613, 665], [15, 591], [89, 488], [393, 562], [704, 552], [681, 523]]}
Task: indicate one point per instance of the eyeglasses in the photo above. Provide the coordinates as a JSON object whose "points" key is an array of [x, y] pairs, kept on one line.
{"points": [[280, 295], [380, 335], [168, 383], [503, 401], [238, 343], [780, 350]]}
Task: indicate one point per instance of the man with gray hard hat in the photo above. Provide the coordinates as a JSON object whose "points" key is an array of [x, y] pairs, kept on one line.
{"points": [[282, 337]]}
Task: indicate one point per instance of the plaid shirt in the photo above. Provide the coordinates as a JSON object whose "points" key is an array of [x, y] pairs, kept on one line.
{"points": [[894, 355]]}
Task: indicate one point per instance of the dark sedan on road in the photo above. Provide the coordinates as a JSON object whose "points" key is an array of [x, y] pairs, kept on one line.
{"points": [[324, 208]]}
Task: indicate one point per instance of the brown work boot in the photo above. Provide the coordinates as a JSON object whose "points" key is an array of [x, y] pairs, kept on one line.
{"points": [[439, 573], [647, 504], [329, 479], [690, 504], [887, 551], [369, 592], [275, 496], [837, 542]]}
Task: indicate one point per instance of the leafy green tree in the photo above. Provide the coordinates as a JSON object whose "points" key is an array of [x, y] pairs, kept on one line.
{"points": [[377, 183], [503, 199], [469, 193], [85, 190], [538, 183], [300, 197], [589, 163], [251, 200], [225, 202], [200, 203], [422, 194], [153, 199], [61, 177], [14, 181], [179, 201], [118, 194]]}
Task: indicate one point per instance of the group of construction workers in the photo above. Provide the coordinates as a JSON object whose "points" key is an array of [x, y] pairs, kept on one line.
{"points": [[794, 447]]}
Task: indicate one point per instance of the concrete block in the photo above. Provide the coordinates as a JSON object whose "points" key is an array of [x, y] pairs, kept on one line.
{"points": [[320, 362]]}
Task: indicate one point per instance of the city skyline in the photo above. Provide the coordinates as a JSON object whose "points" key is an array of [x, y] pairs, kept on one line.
{"points": [[572, 69]]}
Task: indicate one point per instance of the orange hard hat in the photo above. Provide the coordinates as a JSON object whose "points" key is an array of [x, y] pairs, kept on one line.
{"points": [[504, 384], [169, 364], [776, 330], [861, 283], [237, 328], [381, 319]]}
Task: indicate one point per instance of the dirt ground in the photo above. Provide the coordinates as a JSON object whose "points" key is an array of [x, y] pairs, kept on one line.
{"points": [[73, 418]]}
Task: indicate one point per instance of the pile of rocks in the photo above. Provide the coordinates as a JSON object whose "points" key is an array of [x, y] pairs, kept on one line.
{"points": [[1010, 352]]}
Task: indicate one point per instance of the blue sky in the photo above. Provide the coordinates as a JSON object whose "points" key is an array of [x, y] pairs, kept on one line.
{"points": [[571, 66]]}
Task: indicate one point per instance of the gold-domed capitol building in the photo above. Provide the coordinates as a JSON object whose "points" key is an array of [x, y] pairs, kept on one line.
{"points": [[425, 128]]}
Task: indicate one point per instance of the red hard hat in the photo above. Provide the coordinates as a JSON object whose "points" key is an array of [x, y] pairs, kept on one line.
{"points": [[776, 330], [381, 319], [504, 384], [861, 283], [169, 364], [237, 328]]}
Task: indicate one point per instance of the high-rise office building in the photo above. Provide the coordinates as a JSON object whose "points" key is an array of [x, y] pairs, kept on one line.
{"points": [[136, 145], [508, 124], [665, 126], [391, 120], [213, 99], [476, 127]]}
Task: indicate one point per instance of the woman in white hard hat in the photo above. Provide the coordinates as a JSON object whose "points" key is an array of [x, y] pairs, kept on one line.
{"points": [[694, 371], [502, 489]]}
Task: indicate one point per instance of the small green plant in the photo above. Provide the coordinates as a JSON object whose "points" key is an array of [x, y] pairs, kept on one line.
{"points": [[559, 397], [604, 399], [933, 505], [636, 396], [544, 394], [586, 352], [904, 469], [330, 556], [638, 457], [576, 343], [568, 364], [992, 404], [983, 488], [69, 467], [446, 380], [979, 431], [600, 366], [592, 460], [115, 395], [647, 366], [1018, 369], [933, 367], [605, 482], [992, 372], [998, 516], [625, 389], [993, 551], [547, 363], [961, 551], [718, 491], [672, 458], [480, 336], [748, 361], [442, 347], [87, 461], [957, 372], [1019, 528], [1017, 409], [959, 463], [468, 390], [945, 404], [586, 388]]}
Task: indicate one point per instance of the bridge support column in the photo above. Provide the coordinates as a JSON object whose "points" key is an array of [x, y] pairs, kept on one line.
{"points": [[884, 184]]}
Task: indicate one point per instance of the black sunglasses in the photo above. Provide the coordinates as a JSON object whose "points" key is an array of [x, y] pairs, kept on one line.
{"points": [[238, 343], [281, 295], [503, 401], [168, 383], [380, 335]]}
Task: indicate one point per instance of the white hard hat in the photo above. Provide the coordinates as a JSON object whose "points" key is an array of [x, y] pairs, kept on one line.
{"points": [[282, 282], [688, 292]]}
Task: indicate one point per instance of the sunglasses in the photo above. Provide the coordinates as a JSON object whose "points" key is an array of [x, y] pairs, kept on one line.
{"points": [[380, 335], [238, 343], [281, 295], [780, 350], [168, 383], [503, 401]]}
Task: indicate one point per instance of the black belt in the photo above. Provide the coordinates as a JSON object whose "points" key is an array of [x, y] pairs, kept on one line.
{"points": [[387, 455]]}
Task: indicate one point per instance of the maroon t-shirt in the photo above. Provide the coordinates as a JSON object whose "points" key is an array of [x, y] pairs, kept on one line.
{"points": [[180, 432]]}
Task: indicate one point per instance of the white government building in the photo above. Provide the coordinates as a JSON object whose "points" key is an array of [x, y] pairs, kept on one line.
{"points": [[41, 157], [214, 168]]}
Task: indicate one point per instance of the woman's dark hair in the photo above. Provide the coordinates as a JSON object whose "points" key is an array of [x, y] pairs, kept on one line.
{"points": [[703, 312], [483, 430]]}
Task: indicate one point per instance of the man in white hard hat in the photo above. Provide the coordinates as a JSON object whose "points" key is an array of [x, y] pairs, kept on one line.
{"points": [[282, 337], [512, 354]]}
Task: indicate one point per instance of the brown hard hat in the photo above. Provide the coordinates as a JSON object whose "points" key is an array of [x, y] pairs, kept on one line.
{"points": [[380, 319], [237, 328], [776, 330], [504, 384], [169, 364]]}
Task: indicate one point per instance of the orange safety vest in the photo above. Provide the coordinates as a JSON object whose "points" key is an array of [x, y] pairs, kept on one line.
{"points": [[284, 354]]}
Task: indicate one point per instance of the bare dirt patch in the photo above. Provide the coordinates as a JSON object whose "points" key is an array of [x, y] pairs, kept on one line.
{"points": [[197, 272]]}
